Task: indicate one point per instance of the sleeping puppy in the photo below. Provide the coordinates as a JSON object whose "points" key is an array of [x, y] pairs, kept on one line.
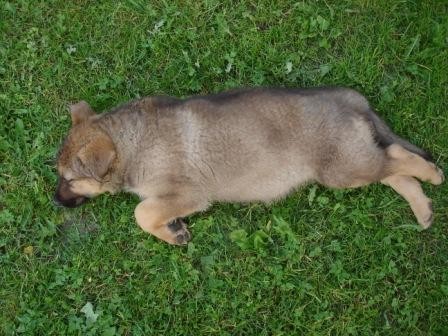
{"points": [[244, 145]]}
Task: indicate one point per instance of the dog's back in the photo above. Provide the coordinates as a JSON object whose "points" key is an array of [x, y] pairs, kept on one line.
{"points": [[281, 137], [223, 145]]}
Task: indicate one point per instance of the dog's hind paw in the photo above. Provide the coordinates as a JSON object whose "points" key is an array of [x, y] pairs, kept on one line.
{"points": [[424, 214]]}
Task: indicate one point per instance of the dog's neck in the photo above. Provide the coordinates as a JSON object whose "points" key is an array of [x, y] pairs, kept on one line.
{"points": [[124, 171]]}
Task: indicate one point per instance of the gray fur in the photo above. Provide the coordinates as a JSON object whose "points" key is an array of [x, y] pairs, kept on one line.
{"points": [[246, 145], [180, 155]]}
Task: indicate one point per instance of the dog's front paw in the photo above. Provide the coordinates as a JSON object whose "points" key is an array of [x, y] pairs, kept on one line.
{"points": [[178, 228]]}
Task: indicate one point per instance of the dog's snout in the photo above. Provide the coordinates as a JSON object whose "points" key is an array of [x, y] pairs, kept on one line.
{"points": [[64, 197], [70, 202]]}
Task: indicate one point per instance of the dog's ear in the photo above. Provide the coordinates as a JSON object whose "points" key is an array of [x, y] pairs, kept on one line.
{"points": [[80, 112], [97, 156]]}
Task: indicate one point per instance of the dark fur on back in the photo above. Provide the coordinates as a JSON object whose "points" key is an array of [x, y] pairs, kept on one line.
{"points": [[385, 137], [382, 133]]}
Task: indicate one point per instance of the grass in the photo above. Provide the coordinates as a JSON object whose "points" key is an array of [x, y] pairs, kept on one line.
{"points": [[321, 262]]}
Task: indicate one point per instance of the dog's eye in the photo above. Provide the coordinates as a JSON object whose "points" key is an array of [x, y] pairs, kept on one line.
{"points": [[69, 181]]}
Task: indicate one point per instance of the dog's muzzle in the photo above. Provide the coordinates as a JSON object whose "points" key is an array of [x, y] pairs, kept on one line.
{"points": [[69, 203], [65, 197]]}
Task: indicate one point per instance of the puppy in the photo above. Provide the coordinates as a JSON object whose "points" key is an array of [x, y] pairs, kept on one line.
{"points": [[244, 145]]}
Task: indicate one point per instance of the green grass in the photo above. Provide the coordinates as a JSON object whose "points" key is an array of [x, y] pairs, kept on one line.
{"points": [[321, 262]]}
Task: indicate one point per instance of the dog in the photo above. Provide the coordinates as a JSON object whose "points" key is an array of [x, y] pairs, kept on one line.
{"points": [[259, 144]]}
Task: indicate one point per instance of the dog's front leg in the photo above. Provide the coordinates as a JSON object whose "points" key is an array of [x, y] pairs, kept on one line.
{"points": [[163, 219]]}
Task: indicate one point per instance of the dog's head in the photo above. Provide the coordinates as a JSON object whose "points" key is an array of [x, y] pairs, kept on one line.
{"points": [[85, 159]]}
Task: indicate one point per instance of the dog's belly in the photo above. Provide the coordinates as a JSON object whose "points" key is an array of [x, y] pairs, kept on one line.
{"points": [[265, 186]]}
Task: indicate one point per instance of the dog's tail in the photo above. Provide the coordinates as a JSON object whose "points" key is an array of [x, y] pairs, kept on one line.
{"points": [[385, 137]]}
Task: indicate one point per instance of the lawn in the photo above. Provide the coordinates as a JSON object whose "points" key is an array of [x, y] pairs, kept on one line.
{"points": [[320, 262]]}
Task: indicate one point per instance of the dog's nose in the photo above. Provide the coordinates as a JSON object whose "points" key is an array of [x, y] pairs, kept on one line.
{"points": [[56, 200], [70, 202]]}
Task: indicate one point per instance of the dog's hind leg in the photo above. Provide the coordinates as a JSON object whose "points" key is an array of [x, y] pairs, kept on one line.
{"points": [[410, 189], [404, 162], [162, 218]]}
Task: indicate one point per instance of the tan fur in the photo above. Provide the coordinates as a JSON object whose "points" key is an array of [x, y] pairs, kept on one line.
{"points": [[80, 112], [410, 189], [87, 186], [403, 162], [98, 153], [153, 215], [180, 156]]}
